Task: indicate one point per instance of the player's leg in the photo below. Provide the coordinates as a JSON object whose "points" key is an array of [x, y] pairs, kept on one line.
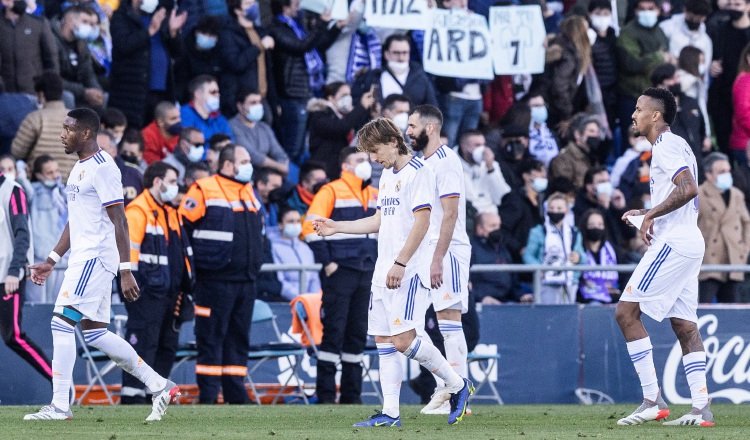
{"points": [[449, 317], [11, 314]]}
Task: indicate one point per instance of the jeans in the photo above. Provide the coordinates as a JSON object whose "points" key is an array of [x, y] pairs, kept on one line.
{"points": [[459, 115], [292, 126]]}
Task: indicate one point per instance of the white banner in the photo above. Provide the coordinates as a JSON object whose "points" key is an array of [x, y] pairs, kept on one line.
{"points": [[397, 14], [518, 39], [457, 45], [339, 8]]}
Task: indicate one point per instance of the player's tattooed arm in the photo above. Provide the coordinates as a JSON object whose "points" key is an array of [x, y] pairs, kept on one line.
{"points": [[686, 189]]}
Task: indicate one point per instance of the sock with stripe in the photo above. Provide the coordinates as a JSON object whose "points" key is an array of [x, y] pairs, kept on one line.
{"points": [[63, 361], [641, 354], [428, 356], [125, 357], [695, 371], [455, 345], [391, 377]]}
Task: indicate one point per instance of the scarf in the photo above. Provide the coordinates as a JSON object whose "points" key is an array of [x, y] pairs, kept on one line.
{"points": [[313, 61], [595, 284], [558, 244], [61, 204], [254, 38], [596, 102], [365, 52], [304, 195]]}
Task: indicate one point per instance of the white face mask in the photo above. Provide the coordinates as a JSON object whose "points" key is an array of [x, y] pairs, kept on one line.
{"points": [[292, 230], [244, 172], [604, 188], [402, 121], [478, 154], [344, 104], [212, 103], [539, 184], [724, 181], [702, 70], [398, 67], [363, 170], [642, 146], [10, 175], [601, 22], [195, 154], [170, 193], [149, 6]]}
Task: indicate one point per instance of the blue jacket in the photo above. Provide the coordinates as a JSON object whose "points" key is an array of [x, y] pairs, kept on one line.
{"points": [[48, 217], [294, 251], [534, 252], [500, 285], [216, 122]]}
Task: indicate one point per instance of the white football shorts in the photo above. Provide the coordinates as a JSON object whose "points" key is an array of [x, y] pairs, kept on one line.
{"points": [[454, 292], [395, 311], [87, 287]]}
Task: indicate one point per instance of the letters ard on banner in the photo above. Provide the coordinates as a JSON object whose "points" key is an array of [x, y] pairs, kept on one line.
{"points": [[457, 44]]}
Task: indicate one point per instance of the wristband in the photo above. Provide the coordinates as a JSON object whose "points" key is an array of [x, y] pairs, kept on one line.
{"points": [[396, 262], [125, 266], [54, 256]]}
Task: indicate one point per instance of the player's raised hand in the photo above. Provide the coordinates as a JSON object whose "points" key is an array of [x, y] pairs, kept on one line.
{"points": [[631, 213], [436, 274], [40, 272], [130, 289], [324, 226], [394, 277]]}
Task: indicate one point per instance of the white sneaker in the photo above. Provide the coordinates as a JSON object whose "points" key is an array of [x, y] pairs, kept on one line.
{"points": [[50, 412], [166, 396], [648, 411], [696, 417], [439, 403]]}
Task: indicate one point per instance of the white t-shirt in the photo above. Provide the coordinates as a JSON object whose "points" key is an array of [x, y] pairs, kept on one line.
{"points": [[449, 176], [679, 229], [93, 184], [402, 193]]}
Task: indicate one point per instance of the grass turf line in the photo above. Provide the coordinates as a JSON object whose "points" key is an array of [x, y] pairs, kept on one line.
{"points": [[334, 422]]}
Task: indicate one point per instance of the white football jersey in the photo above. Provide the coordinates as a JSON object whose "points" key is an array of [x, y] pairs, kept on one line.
{"points": [[449, 177], [672, 155], [93, 184], [402, 193]]}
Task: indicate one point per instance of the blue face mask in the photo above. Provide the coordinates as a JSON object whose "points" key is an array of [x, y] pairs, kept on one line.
{"points": [[647, 19], [253, 13], [204, 42], [255, 113], [724, 181], [539, 114], [244, 172]]}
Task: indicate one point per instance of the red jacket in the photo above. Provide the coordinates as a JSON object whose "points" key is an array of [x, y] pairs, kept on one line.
{"points": [[741, 117], [155, 146]]}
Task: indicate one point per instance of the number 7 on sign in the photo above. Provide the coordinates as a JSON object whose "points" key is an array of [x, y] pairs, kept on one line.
{"points": [[515, 44]]}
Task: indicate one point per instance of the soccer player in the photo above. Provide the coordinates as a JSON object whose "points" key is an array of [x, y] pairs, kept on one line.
{"points": [[399, 296], [665, 283], [97, 236], [448, 240]]}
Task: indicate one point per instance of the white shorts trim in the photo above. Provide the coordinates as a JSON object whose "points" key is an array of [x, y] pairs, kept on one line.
{"points": [[454, 292], [87, 287], [665, 284], [395, 311]]}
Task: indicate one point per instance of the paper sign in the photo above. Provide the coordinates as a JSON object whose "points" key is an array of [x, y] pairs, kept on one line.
{"points": [[518, 39], [457, 45], [397, 14], [339, 8]]}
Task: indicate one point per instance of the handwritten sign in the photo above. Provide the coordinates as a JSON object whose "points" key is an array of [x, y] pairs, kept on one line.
{"points": [[518, 39], [397, 14], [458, 44]]}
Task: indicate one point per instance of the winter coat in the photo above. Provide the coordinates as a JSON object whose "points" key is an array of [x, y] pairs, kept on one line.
{"points": [[76, 66], [417, 87], [27, 49], [560, 80], [193, 62], [572, 163], [639, 51], [740, 138]]}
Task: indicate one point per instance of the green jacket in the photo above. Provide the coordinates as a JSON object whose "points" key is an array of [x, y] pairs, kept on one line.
{"points": [[639, 51]]}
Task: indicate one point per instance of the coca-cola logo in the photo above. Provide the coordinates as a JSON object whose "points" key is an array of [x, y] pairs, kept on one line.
{"points": [[725, 364]]}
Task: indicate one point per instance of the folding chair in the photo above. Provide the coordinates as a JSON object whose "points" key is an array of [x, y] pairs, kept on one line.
{"points": [[261, 353], [299, 309], [94, 374], [486, 363], [588, 396]]}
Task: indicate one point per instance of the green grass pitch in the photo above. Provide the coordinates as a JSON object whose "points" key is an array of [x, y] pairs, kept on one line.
{"points": [[334, 422]]}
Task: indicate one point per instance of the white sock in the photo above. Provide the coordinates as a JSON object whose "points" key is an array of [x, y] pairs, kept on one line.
{"points": [[641, 354], [63, 361], [695, 370], [455, 345], [391, 377], [125, 357], [422, 351]]}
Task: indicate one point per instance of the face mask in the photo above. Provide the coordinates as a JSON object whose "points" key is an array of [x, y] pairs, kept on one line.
{"points": [[244, 172], [692, 25], [254, 113], [539, 114], [253, 12], [555, 217], [292, 230], [648, 19], [170, 193], [495, 237], [130, 158], [515, 150], [82, 31], [19, 7], [604, 188], [212, 103], [733, 15], [647, 204], [315, 188], [642, 146], [195, 154], [478, 154], [601, 22], [594, 234], [724, 181], [94, 34], [702, 70], [402, 121], [344, 104], [10, 175], [149, 6], [593, 144], [50, 183], [539, 184], [675, 89], [420, 142], [117, 140], [175, 129], [398, 67], [204, 42], [363, 170]]}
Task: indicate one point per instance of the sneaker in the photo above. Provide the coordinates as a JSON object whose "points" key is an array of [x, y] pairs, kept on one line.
{"points": [[50, 412], [379, 419], [649, 410], [459, 401], [696, 417], [439, 403], [161, 400]]}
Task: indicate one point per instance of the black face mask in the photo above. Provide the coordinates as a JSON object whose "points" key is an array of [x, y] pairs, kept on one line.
{"points": [[19, 7], [174, 129], [733, 15], [495, 237], [593, 144], [594, 234], [515, 149], [420, 142], [555, 217], [130, 158], [675, 89], [277, 195], [315, 188], [692, 25]]}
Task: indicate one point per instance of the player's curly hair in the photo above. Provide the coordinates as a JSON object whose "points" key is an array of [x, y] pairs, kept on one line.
{"points": [[378, 132], [666, 100]]}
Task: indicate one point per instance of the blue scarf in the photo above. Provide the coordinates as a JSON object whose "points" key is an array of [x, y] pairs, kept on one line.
{"points": [[365, 52], [313, 61]]}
